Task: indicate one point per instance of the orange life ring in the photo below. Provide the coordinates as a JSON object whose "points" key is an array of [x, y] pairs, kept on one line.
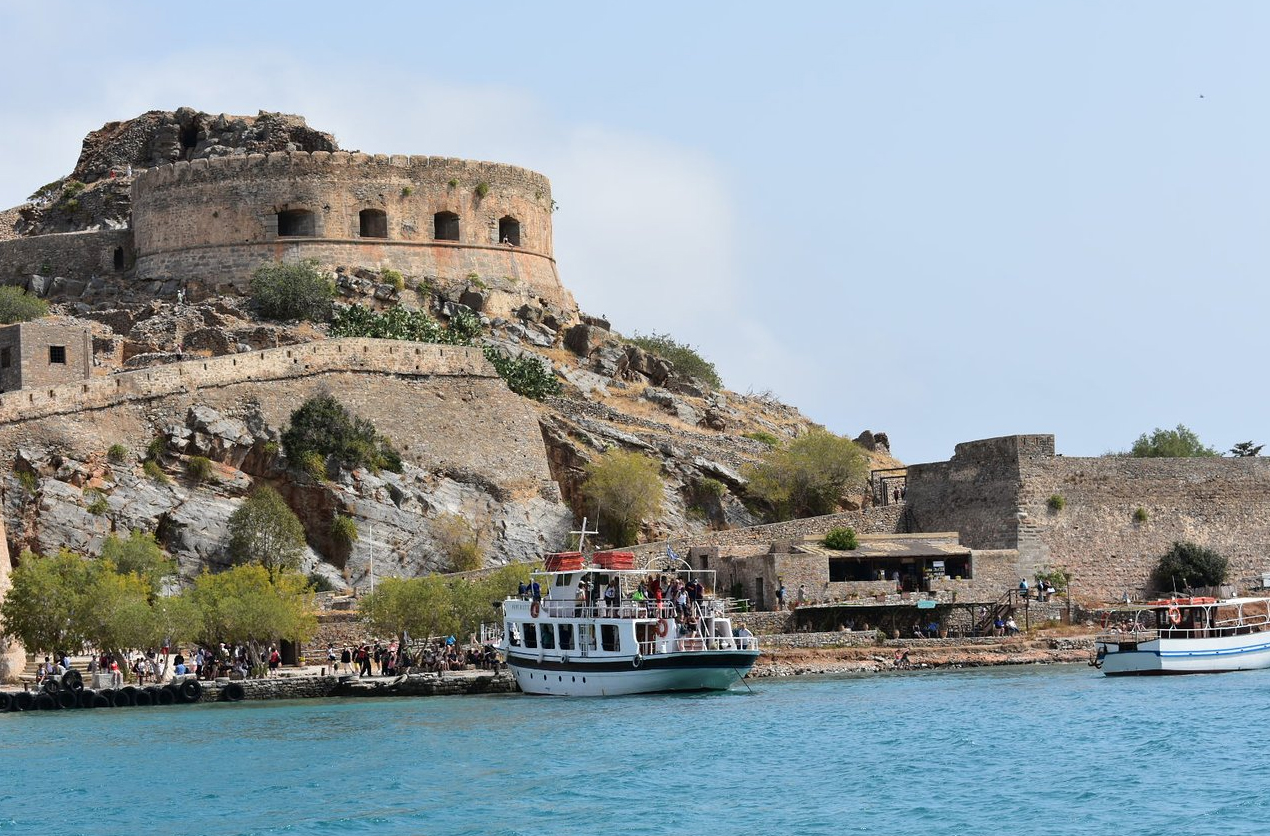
{"points": [[1175, 615], [663, 627], [534, 610]]}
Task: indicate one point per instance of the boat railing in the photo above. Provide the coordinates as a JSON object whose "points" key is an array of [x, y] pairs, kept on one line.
{"points": [[627, 608], [1132, 636], [691, 644]]}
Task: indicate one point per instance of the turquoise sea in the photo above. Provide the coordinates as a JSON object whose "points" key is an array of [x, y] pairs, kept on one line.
{"points": [[1054, 750]]}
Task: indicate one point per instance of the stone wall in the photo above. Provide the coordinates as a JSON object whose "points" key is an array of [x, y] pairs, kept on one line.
{"points": [[26, 359], [212, 222], [79, 255], [996, 493], [12, 655]]}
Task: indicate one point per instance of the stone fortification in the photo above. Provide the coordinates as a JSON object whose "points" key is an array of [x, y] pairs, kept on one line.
{"points": [[213, 222], [64, 264], [12, 656], [996, 493]]}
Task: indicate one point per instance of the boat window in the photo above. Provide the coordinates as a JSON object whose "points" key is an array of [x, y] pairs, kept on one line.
{"points": [[513, 635], [531, 634], [548, 636], [566, 637], [561, 580], [586, 637], [609, 638]]}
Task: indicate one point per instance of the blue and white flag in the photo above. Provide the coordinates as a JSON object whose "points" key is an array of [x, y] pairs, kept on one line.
{"points": [[671, 553]]}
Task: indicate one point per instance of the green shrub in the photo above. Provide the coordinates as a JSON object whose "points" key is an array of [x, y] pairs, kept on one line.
{"points": [[1140, 515], [526, 376], [156, 448], [683, 357], [807, 476], [711, 487], [406, 191], [292, 291], [117, 454], [95, 502], [154, 471], [199, 469], [482, 189], [70, 206], [313, 463], [841, 539], [344, 529], [29, 482], [1188, 565], [16, 305], [453, 183], [271, 448], [763, 438], [1056, 503], [626, 489], [323, 430], [1057, 578], [319, 583], [394, 278]]}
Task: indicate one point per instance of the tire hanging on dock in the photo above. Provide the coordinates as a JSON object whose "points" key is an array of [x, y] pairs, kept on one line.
{"points": [[233, 692], [23, 701], [190, 690]]}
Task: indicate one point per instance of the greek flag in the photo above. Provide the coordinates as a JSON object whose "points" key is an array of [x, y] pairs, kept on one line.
{"points": [[671, 553]]}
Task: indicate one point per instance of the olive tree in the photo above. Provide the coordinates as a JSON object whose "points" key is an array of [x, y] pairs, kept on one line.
{"points": [[264, 531], [625, 488]]}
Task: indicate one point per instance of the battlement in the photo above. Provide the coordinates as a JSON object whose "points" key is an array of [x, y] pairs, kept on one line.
{"points": [[366, 356]]}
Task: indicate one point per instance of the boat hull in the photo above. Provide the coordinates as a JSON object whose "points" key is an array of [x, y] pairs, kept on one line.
{"points": [[616, 676], [1181, 656]]}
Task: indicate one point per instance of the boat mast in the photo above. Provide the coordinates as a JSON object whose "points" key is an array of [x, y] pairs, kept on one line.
{"points": [[582, 536]]}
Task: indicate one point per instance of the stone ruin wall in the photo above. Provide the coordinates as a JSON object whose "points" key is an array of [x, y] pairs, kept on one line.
{"points": [[77, 256], [995, 493], [212, 222], [444, 407]]}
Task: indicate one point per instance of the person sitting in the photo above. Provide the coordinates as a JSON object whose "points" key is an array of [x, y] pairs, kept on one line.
{"points": [[1011, 628]]}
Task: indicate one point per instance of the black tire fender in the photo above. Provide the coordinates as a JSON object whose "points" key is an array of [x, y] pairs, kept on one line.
{"points": [[233, 692]]}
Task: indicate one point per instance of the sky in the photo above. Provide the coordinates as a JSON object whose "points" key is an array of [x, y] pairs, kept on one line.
{"points": [[940, 220]]}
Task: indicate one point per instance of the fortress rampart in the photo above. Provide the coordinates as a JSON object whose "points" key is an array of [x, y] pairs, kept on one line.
{"points": [[213, 221], [444, 406], [996, 493], [102, 252]]}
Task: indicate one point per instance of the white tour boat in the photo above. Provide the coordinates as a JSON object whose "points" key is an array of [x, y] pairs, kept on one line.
{"points": [[572, 640], [1185, 635]]}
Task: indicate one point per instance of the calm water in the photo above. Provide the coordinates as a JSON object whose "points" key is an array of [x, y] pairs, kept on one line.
{"points": [[1052, 750]]}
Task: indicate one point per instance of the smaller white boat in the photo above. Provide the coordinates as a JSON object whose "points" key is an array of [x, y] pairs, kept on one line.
{"points": [[1184, 635]]}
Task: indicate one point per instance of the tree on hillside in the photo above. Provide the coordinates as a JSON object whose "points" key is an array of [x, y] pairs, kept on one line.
{"points": [[16, 305], [1246, 449], [324, 428], [1188, 565], [460, 540], [45, 609], [264, 531], [1179, 443], [139, 555], [420, 607], [626, 489], [244, 605], [292, 291], [807, 476]]}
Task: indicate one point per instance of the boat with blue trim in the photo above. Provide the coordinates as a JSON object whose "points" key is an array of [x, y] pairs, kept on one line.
{"points": [[599, 626], [1184, 635]]}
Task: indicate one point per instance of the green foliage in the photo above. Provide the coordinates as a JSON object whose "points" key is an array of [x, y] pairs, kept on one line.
{"points": [[1178, 443], [1140, 514], [70, 206], [156, 448], [320, 583], [272, 448], [1188, 565], [95, 502], [807, 476], [117, 454], [154, 471], [682, 356], [482, 189], [199, 469], [1056, 502], [763, 438], [246, 605], [1246, 449], [139, 555], [314, 464], [711, 487], [292, 291], [1059, 578], [460, 541], [393, 277], [16, 305], [29, 482], [344, 529], [524, 375], [264, 531], [394, 324], [46, 191], [841, 539], [323, 427], [46, 607], [406, 191], [453, 183], [418, 606], [626, 489]]}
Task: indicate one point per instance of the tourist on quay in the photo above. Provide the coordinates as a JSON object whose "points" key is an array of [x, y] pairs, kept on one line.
{"points": [[275, 660], [331, 658], [1011, 628], [1023, 587], [802, 593], [346, 659], [116, 675], [780, 597]]}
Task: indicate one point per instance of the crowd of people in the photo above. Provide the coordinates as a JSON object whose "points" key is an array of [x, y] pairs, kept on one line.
{"points": [[437, 655]]}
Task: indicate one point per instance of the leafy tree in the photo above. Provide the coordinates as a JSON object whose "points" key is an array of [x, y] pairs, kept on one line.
{"points": [[685, 358], [626, 489], [420, 607], [245, 605], [460, 541], [1178, 443], [118, 616], [842, 539], [806, 476], [1246, 449], [16, 305], [1189, 565], [46, 608], [322, 426], [264, 531], [292, 291], [526, 376], [139, 555]]}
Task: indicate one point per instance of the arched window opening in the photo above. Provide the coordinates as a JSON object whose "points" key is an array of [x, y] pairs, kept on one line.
{"points": [[295, 222], [445, 226], [189, 136], [118, 258], [509, 231], [374, 223]]}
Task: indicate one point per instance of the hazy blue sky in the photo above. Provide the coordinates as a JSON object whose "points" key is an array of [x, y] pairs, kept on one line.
{"points": [[943, 220]]}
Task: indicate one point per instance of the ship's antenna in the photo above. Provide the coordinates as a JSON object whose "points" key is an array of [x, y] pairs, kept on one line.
{"points": [[582, 535]]}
